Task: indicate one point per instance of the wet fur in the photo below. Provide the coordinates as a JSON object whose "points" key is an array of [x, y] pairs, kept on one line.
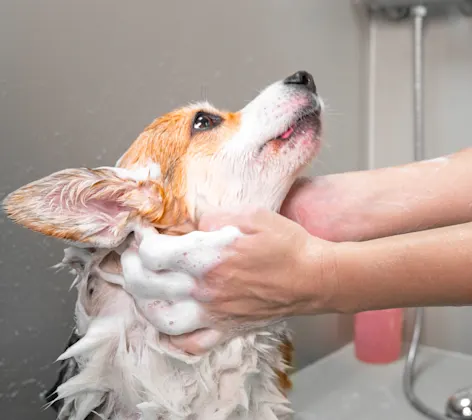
{"points": [[121, 361]]}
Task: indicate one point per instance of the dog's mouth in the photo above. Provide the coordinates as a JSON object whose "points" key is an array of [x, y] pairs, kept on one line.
{"points": [[287, 134], [305, 124]]}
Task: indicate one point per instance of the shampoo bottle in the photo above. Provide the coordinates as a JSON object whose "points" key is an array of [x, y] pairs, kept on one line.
{"points": [[378, 336]]}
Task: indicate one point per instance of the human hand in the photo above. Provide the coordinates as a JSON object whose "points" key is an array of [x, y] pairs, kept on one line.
{"points": [[275, 270], [159, 272], [334, 207]]}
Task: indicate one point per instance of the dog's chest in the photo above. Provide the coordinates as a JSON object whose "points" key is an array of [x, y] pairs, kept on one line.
{"points": [[235, 381]]}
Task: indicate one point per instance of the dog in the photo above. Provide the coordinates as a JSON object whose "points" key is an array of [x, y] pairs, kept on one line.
{"points": [[119, 363]]}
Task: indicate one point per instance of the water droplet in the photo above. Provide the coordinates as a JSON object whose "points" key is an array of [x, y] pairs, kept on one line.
{"points": [[28, 268], [17, 333], [28, 382]]}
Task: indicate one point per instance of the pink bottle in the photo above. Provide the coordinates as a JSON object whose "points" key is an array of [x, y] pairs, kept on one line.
{"points": [[378, 335]]}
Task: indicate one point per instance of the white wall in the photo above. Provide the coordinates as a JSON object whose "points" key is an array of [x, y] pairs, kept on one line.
{"points": [[448, 116]]}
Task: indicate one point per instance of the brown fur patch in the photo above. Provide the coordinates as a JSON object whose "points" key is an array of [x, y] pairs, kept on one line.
{"points": [[286, 349], [167, 141]]}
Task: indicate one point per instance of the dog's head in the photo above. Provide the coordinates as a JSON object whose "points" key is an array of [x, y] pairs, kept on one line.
{"points": [[184, 163]]}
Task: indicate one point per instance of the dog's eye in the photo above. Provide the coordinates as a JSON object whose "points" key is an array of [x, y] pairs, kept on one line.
{"points": [[204, 121]]}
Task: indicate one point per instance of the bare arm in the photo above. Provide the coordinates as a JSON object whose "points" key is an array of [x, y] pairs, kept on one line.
{"points": [[372, 204], [430, 268]]}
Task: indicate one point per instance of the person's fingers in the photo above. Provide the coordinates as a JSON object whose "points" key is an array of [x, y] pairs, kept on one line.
{"points": [[203, 293], [198, 342]]}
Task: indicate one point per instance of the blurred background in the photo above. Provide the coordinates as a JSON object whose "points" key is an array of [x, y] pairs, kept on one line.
{"points": [[80, 80]]}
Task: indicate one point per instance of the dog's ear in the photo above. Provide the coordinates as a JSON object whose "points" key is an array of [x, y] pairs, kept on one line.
{"points": [[90, 206]]}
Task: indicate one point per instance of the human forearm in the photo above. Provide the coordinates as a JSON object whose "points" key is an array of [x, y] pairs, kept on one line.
{"points": [[372, 204], [430, 268]]}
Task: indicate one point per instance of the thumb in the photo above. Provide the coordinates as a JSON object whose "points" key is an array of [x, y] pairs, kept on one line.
{"points": [[197, 342]]}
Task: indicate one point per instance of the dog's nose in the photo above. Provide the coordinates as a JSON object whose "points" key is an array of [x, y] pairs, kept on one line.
{"points": [[302, 78]]}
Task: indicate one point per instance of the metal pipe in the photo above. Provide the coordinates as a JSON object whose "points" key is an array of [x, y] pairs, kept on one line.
{"points": [[418, 13]]}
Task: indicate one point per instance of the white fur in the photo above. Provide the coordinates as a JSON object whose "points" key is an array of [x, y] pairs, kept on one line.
{"points": [[152, 171]]}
